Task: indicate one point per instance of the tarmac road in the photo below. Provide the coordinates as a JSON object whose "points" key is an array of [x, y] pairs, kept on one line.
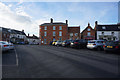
{"points": [[45, 61]]}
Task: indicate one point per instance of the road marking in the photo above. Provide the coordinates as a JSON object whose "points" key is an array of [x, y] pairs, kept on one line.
{"points": [[16, 59], [16, 56]]}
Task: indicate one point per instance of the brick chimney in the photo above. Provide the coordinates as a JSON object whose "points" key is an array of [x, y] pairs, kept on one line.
{"points": [[88, 24], [23, 30], [66, 21], [51, 20], [96, 23]]}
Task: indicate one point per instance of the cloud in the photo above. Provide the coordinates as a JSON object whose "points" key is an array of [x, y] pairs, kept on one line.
{"points": [[17, 20]]}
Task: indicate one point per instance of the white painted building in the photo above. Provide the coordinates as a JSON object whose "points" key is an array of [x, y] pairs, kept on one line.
{"points": [[33, 39], [108, 32]]}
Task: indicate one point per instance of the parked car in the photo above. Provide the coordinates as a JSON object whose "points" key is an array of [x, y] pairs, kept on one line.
{"points": [[95, 44], [11, 46], [20, 42], [53, 43], [4, 46], [112, 46], [58, 43], [66, 43], [78, 43]]}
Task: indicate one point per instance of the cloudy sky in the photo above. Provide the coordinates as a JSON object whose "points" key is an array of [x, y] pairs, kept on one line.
{"points": [[29, 15]]}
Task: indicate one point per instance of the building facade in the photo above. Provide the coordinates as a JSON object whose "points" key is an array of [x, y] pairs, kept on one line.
{"points": [[53, 31], [33, 39], [12, 35], [88, 33], [108, 32], [5, 34], [74, 32]]}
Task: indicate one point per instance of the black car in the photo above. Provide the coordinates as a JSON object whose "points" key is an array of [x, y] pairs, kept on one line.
{"points": [[78, 43], [66, 43], [112, 46], [51, 43]]}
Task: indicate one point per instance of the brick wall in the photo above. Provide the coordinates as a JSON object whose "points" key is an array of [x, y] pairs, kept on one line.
{"points": [[74, 32], [84, 33], [49, 37]]}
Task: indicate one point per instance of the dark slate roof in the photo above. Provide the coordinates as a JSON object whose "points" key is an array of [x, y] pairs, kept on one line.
{"points": [[87, 28], [32, 37], [114, 27], [12, 31], [55, 23]]}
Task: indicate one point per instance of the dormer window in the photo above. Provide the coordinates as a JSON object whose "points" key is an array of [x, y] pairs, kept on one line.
{"points": [[103, 27], [112, 33]]}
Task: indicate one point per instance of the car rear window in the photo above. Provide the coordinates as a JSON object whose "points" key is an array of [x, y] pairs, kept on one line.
{"points": [[91, 41], [111, 43]]}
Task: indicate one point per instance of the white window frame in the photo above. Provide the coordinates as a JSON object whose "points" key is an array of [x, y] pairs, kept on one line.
{"points": [[60, 33], [60, 27], [71, 34], [88, 29], [54, 28], [88, 34], [103, 27], [45, 28], [45, 33], [53, 33]]}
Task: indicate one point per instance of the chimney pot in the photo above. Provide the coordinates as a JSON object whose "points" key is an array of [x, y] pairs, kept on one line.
{"points": [[51, 20], [96, 22], [88, 24], [66, 21]]}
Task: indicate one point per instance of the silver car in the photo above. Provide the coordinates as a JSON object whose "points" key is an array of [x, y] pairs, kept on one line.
{"points": [[95, 44], [58, 43], [4, 46], [11, 46]]}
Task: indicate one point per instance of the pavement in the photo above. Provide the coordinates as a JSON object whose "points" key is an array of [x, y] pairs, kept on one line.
{"points": [[45, 61]]}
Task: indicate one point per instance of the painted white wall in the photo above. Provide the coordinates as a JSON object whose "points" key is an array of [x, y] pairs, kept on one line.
{"points": [[31, 41], [116, 33]]}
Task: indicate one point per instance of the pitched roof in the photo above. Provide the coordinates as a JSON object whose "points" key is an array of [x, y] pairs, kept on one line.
{"points": [[113, 27], [12, 31], [86, 29], [32, 37], [55, 23]]}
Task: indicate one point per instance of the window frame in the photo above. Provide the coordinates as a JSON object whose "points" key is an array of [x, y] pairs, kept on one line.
{"points": [[54, 27], [60, 27], [54, 34], [60, 33]]}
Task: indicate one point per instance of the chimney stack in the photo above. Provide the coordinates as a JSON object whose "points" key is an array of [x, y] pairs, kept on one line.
{"points": [[22, 30], [33, 35], [28, 34], [66, 21], [96, 23], [88, 24], [51, 20]]}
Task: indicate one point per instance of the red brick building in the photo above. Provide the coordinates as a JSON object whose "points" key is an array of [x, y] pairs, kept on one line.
{"points": [[74, 32], [88, 33], [53, 31]]}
